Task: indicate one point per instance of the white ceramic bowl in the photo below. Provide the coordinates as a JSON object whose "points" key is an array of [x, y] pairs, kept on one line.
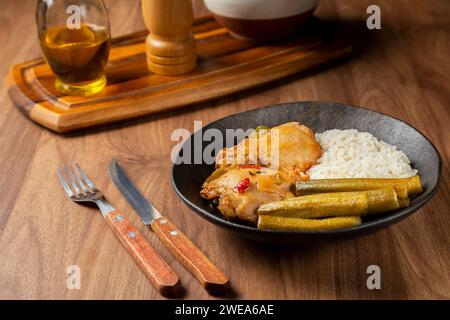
{"points": [[261, 19]]}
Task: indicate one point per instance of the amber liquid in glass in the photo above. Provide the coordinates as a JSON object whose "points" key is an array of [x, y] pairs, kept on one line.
{"points": [[77, 57]]}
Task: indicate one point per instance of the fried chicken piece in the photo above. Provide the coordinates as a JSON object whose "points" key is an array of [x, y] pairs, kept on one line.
{"points": [[297, 150], [241, 191]]}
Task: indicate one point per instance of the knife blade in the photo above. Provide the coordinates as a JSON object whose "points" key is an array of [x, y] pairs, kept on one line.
{"points": [[144, 209], [183, 249]]}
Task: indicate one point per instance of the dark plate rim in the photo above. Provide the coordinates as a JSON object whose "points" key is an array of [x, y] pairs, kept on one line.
{"points": [[383, 221]]}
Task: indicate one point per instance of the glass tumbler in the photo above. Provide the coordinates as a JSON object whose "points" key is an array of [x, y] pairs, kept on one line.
{"points": [[75, 40]]}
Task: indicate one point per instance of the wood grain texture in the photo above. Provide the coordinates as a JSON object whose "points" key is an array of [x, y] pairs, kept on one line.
{"points": [[401, 70], [161, 276], [226, 65], [210, 277]]}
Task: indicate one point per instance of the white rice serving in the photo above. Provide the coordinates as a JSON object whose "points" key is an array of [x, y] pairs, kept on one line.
{"points": [[353, 154]]}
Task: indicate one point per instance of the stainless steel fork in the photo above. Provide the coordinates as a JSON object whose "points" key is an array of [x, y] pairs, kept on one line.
{"points": [[81, 189]]}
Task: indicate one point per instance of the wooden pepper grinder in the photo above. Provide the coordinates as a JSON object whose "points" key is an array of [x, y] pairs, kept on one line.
{"points": [[170, 45]]}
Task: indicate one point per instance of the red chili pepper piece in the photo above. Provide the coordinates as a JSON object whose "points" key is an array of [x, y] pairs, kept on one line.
{"points": [[243, 185]]}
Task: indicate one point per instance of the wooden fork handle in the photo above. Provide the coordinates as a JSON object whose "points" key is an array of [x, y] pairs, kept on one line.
{"points": [[211, 278], [163, 278]]}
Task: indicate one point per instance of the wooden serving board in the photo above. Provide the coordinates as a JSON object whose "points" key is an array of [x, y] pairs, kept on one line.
{"points": [[225, 65]]}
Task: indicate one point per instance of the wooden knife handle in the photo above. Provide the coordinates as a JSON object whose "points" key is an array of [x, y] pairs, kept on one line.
{"points": [[211, 278], [162, 277]]}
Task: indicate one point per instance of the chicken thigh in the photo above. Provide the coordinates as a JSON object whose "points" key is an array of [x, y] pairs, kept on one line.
{"points": [[261, 169], [290, 147], [241, 191]]}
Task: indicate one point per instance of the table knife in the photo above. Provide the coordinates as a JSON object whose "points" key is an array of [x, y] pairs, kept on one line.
{"points": [[184, 250]]}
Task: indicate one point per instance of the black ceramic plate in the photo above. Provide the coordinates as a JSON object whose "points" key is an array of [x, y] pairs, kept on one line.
{"points": [[319, 116]]}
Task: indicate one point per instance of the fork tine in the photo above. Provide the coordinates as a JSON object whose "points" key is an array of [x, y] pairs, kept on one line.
{"points": [[89, 182], [64, 183], [77, 177], [72, 182]]}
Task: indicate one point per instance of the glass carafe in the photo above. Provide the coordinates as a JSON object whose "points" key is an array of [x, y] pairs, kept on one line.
{"points": [[75, 39]]}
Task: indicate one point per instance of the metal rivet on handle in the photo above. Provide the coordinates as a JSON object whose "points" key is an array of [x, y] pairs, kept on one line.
{"points": [[119, 218], [132, 234], [173, 233]]}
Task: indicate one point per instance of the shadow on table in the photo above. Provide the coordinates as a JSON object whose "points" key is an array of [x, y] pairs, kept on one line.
{"points": [[325, 270]]}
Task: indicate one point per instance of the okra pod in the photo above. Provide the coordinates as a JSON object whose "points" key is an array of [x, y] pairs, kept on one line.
{"points": [[297, 224], [319, 205], [382, 200], [403, 187]]}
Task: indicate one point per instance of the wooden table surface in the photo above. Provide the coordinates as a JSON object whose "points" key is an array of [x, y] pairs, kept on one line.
{"points": [[402, 70]]}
